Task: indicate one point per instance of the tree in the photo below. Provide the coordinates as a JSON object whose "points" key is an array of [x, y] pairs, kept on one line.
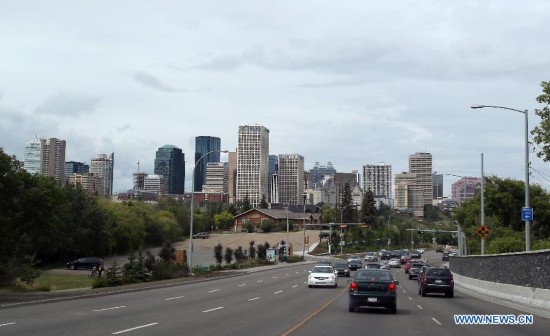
{"points": [[218, 253], [368, 209], [224, 220], [263, 202], [228, 256], [542, 131], [167, 252], [328, 213], [251, 250], [346, 206], [246, 204]]}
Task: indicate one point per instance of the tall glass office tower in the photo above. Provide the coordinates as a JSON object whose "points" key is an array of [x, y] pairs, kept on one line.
{"points": [[170, 163], [203, 145]]}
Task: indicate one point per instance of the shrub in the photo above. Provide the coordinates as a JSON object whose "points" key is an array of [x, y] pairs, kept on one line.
{"points": [[218, 253], [293, 259]]}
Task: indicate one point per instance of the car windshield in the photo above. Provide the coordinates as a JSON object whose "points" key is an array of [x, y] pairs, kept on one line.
{"points": [[374, 266], [370, 253], [340, 266], [373, 275], [322, 270]]}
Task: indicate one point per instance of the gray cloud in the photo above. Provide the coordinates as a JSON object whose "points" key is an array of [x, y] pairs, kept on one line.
{"points": [[63, 104], [154, 83]]}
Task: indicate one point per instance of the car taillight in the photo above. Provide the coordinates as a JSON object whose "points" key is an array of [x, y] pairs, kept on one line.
{"points": [[391, 287], [424, 280], [353, 287], [452, 281]]}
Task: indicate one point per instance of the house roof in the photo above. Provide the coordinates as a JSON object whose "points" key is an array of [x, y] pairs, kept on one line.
{"points": [[282, 214]]}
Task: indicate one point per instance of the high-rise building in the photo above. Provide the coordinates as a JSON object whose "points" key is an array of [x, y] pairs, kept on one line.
{"points": [[253, 164], [73, 167], [52, 155], [155, 184], [465, 188], [273, 162], [378, 179], [319, 172], [103, 166], [32, 158], [217, 177], [170, 163], [92, 183], [437, 182], [139, 181], [421, 165], [408, 193], [232, 182], [204, 145], [291, 178]]}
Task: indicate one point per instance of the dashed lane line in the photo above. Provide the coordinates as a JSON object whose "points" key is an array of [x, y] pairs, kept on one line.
{"points": [[436, 321], [419, 306], [6, 324], [278, 292], [111, 308], [255, 298], [211, 310], [214, 290], [134, 328], [174, 298]]}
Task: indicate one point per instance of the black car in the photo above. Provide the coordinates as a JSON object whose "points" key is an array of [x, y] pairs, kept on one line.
{"points": [[445, 257], [437, 280], [324, 262], [203, 235], [416, 254], [384, 255], [355, 264], [342, 269], [85, 263], [415, 269], [373, 288], [439, 249]]}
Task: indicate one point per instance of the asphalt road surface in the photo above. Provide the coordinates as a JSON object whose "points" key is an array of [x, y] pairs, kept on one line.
{"points": [[273, 302]]}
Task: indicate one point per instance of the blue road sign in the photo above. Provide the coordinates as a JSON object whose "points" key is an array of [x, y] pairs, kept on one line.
{"points": [[526, 214]]}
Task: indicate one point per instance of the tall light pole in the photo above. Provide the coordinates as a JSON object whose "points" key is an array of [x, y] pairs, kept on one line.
{"points": [[527, 222], [304, 239], [190, 254]]}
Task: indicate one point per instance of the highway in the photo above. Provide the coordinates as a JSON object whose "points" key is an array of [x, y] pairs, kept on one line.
{"points": [[273, 302]]}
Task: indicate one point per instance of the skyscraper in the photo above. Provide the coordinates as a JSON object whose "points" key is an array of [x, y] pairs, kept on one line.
{"points": [[73, 167], [203, 145], [253, 164], [437, 182], [103, 166], [291, 178], [319, 172], [377, 178], [52, 155], [421, 165], [32, 158], [170, 163]]}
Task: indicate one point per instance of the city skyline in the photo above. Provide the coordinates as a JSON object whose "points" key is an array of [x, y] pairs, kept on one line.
{"points": [[353, 85]]}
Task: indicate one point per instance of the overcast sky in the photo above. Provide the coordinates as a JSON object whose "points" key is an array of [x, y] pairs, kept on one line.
{"points": [[350, 82]]}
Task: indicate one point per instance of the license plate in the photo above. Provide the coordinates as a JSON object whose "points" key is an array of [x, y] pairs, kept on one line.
{"points": [[372, 299], [438, 281]]}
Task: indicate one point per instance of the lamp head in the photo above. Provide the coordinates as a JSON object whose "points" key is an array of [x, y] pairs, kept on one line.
{"points": [[477, 106], [224, 151]]}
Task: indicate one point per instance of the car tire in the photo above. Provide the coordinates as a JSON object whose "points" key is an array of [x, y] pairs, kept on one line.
{"points": [[73, 267], [335, 285], [393, 309], [423, 292], [410, 277], [419, 292], [351, 308], [451, 294], [309, 286]]}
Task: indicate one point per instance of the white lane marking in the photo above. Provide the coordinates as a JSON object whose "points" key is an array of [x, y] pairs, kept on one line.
{"points": [[174, 298], [98, 310], [436, 321], [241, 285], [277, 292], [209, 310], [410, 298], [294, 286], [126, 330], [297, 272], [404, 291], [6, 324], [276, 277], [214, 290], [286, 274], [260, 280], [256, 298], [419, 306]]}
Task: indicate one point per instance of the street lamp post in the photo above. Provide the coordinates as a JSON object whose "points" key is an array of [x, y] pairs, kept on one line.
{"points": [[304, 238], [527, 222], [190, 254]]}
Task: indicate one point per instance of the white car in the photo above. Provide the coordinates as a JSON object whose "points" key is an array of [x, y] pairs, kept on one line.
{"points": [[371, 256], [421, 250], [322, 275], [394, 262]]}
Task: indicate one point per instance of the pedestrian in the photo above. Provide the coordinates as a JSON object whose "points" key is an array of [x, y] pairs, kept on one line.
{"points": [[100, 270]]}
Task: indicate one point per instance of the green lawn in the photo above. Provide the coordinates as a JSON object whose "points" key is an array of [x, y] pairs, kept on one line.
{"points": [[52, 282]]}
